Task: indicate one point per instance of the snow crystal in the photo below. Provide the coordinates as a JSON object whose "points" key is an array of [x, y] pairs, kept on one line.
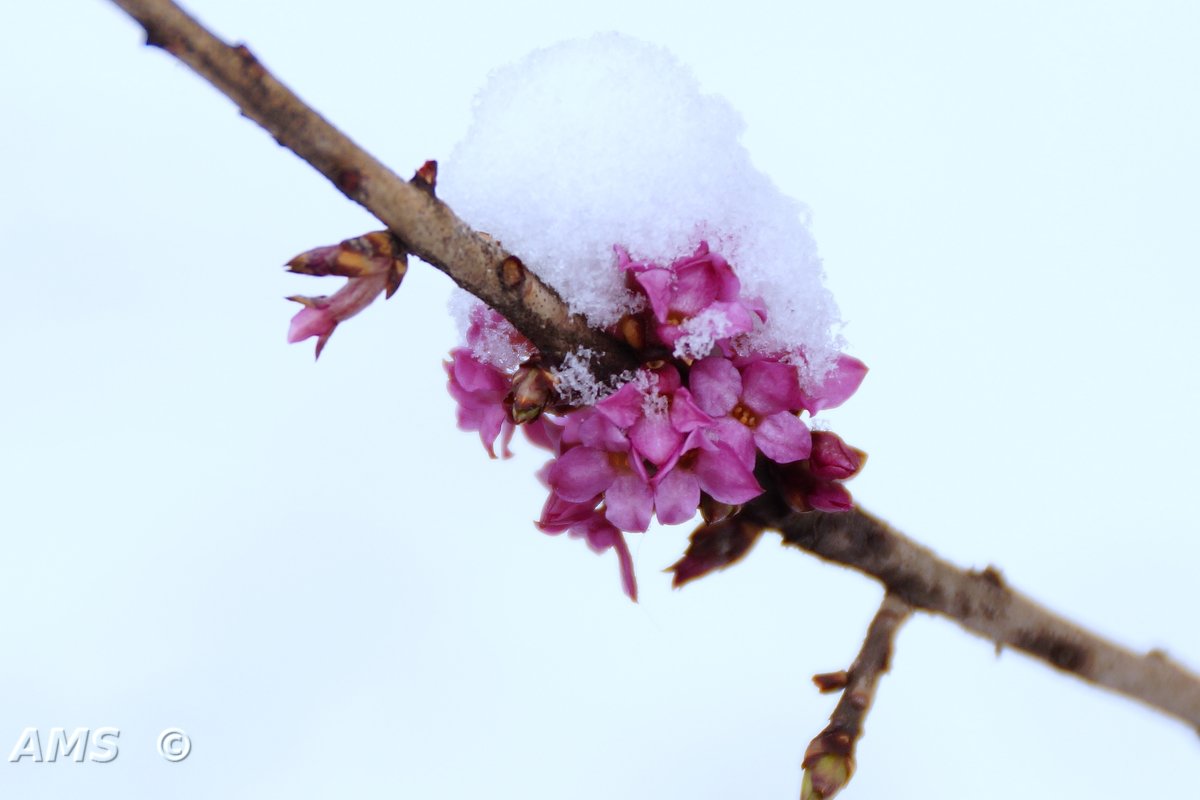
{"points": [[574, 380], [609, 141], [495, 341], [700, 333]]}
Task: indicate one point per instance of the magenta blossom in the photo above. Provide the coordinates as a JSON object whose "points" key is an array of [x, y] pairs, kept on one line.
{"points": [[696, 301], [700, 423], [480, 391], [656, 416], [755, 407], [321, 315], [842, 381], [585, 521], [703, 465], [603, 463]]}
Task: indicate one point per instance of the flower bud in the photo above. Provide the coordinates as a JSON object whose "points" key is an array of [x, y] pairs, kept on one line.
{"points": [[832, 459], [532, 391], [827, 775]]}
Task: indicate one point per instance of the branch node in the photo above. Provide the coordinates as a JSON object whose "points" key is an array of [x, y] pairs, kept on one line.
{"points": [[512, 273], [426, 177], [831, 681]]}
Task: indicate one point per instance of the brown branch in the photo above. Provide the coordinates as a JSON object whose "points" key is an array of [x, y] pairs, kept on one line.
{"points": [[829, 759], [984, 604], [427, 226], [979, 601]]}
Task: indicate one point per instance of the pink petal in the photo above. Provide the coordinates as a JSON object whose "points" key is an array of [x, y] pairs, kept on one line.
{"points": [[686, 416], [654, 438], [716, 384], [599, 432], [783, 438], [770, 387], [657, 284], [601, 536], [737, 316], [676, 497], [628, 579], [696, 288], [559, 515], [491, 425], [544, 432], [630, 502], [845, 378], [757, 306], [738, 438], [475, 376], [311, 321], [507, 429], [668, 379], [723, 475], [624, 406], [581, 473]]}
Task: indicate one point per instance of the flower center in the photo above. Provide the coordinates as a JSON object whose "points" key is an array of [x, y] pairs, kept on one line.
{"points": [[619, 461], [675, 318], [745, 415]]}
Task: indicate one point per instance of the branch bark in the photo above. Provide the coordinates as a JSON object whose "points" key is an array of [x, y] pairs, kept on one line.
{"points": [[984, 604], [427, 226], [981, 602], [829, 759]]}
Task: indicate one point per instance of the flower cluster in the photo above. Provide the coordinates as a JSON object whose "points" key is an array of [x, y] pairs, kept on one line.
{"points": [[703, 424]]}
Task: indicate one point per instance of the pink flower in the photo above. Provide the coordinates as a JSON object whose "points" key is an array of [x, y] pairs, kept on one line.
{"points": [[815, 484], [841, 382], [585, 521], [494, 340], [321, 315], [480, 391], [755, 407], [656, 417], [696, 301], [604, 464], [372, 263], [707, 466]]}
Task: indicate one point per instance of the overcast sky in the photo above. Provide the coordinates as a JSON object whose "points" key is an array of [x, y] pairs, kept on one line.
{"points": [[335, 593]]}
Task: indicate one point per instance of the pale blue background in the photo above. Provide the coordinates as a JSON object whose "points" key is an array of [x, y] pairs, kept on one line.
{"points": [[336, 593]]}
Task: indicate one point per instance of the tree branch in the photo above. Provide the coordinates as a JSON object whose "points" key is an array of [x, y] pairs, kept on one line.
{"points": [[426, 226], [829, 759], [984, 604], [979, 601]]}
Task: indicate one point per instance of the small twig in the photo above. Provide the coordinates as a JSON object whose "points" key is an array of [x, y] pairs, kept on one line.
{"points": [[829, 759], [979, 601], [427, 226]]}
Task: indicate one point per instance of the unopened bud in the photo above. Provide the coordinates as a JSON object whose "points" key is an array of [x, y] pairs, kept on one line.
{"points": [[803, 491], [833, 459], [372, 254], [532, 390], [826, 776], [830, 496]]}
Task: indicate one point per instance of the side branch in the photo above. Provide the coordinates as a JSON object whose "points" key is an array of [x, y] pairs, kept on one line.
{"points": [[427, 226], [829, 759], [984, 604]]}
